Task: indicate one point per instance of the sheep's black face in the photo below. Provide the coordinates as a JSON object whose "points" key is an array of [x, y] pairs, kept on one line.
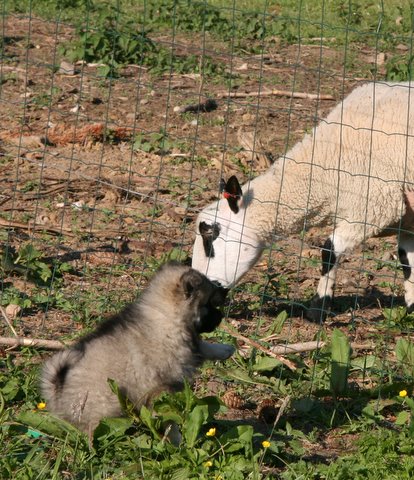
{"points": [[209, 233]]}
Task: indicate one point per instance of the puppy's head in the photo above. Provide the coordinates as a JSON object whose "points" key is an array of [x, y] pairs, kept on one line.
{"points": [[204, 299]]}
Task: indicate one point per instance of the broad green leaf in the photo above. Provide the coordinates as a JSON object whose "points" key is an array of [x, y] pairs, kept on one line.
{"points": [[171, 416], [50, 425], [364, 363], [304, 405], [126, 404], [181, 474], [278, 323], [11, 389], [144, 441], [266, 364], [243, 376], [148, 420], [237, 438], [340, 358], [404, 350], [113, 427], [213, 404], [403, 418], [197, 418]]}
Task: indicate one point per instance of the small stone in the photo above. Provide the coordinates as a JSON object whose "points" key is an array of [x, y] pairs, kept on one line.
{"points": [[12, 311], [78, 205], [244, 66], [66, 68], [248, 119]]}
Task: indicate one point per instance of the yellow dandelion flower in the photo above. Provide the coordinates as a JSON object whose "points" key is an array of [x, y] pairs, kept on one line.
{"points": [[403, 393], [41, 405], [208, 464], [265, 444], [211, 432], [219, 477]]}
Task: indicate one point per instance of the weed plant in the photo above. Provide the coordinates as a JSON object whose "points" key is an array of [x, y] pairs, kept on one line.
{"points": [[116, 34]]}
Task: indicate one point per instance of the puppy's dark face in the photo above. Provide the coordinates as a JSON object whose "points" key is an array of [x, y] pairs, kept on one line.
{"points": [[206, 298]]}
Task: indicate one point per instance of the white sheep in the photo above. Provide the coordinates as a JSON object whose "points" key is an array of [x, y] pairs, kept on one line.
{"points": [[355, 171]]}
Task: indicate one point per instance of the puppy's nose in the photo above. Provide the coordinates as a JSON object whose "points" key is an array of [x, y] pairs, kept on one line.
{"points": [[223, 290]]}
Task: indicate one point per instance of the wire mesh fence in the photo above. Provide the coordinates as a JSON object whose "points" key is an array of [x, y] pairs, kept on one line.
{"points": [[117, 123]]}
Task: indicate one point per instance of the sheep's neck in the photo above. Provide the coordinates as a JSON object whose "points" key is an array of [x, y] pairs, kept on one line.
{"points": [[284, 199]]}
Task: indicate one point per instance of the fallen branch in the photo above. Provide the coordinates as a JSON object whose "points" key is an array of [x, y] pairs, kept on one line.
{"points": [[310, 346], [260, 347], [277, 351], [278, 93], [32, 342]]}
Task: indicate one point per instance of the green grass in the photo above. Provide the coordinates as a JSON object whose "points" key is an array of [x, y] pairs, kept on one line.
{"points": [[333, 396], [318, 391], [37, 445]]}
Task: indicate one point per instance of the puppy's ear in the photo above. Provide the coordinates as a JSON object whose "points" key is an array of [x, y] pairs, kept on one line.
{"points": [[191, 281]]}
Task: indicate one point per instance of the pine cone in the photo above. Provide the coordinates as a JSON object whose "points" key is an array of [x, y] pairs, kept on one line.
{"points": [[232, 400]]}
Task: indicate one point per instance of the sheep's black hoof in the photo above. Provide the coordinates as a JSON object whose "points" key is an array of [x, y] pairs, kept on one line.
{"points": [[410, 308], [318, 309]]}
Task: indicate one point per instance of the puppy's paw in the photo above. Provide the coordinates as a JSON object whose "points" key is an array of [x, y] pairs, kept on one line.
{"points": [[216, 351]]}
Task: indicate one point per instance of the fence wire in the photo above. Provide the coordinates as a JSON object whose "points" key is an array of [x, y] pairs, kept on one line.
{"points": [[118, 121]]}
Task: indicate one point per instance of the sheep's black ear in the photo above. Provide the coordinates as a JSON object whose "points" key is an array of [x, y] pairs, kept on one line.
{"points": [[191, 281], [232, 192]]}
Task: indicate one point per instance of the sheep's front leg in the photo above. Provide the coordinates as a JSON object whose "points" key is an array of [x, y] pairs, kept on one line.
{"points": [[406, 256], [321, 302]]}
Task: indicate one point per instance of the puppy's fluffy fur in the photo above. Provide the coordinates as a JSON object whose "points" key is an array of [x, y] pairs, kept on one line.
{"points": [[149, 347]]}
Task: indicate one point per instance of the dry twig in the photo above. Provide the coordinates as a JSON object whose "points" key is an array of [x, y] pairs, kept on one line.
{"points": [[277, 93], [24, 226], [310, 346], [6, 318], [32, 342], [260, 347]]}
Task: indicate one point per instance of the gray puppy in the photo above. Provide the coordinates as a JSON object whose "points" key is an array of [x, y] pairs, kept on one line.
{"points": [[151, 346]]}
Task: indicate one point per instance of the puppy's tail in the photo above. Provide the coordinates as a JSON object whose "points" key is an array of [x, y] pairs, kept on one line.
{"points": [[54, 374]]}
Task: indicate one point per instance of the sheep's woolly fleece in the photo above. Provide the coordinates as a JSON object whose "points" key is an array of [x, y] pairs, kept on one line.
{"points": [[353, 168], [355, 171]]}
